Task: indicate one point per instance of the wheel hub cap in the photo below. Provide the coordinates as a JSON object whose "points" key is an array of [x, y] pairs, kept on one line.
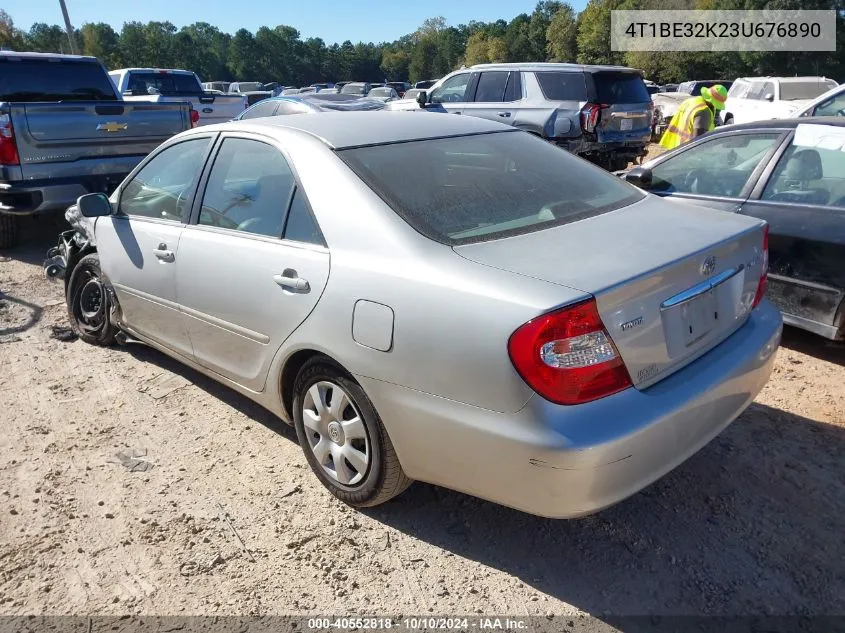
{"points": [[336, 434]]}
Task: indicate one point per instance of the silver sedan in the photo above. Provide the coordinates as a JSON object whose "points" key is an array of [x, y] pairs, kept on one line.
{"points": [[444, 299]]}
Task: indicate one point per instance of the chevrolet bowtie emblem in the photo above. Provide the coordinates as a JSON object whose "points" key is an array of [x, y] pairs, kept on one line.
{"points": [[111, 127]]}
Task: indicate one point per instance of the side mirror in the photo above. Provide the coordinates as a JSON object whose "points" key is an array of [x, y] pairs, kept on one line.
{"points": [[769, 96], [94, 205], [639, 177], [422, 98]]}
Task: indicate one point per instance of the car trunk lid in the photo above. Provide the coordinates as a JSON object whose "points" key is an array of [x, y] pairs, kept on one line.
{"points": [[626, 106], [670, 283]]}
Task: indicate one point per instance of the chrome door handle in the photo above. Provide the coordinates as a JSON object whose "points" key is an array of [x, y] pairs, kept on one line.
{"points": [[289, 282], [163, 254], [504, 114]]}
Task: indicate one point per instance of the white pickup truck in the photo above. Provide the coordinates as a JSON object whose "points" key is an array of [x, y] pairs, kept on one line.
{"points": [[762, 98], [161, 85]]}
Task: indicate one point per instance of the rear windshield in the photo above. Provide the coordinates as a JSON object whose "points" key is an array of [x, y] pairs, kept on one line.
{"points": [[562, 86], [804, 89], [354, 89], [615, 88], [486, 186], [43, 80], [176, 85]]}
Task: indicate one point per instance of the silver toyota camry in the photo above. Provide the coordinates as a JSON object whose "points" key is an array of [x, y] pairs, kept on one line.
{"points": [[438, 298]]}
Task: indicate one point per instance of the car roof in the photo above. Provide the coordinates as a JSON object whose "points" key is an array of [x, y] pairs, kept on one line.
{"points": [[785, 124], [787, 80], [336, 130], [81, 58], [540, 66], [163, 71]]}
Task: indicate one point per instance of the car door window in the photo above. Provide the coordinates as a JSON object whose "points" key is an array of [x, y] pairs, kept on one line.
{"points": [[810, 172], [260, 109], [301, 225], [162, 187], [491, 87], [717, 167], [835, 106], [453, 90], [513, 91], [562, 86], [249, 188]]}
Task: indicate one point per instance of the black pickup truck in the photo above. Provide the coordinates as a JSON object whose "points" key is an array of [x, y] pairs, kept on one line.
{"points": [[65, 132]]}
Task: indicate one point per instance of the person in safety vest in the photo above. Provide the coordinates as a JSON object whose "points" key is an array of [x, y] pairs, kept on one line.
{"points": [[696, 116]]}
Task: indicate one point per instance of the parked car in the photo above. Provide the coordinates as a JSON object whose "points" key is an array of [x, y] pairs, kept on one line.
{"points": [[340, 84], [759, 98], [620, 336], [356, 88], [320, 87], [790, 173], [383, 94], [670, 88], [831, 103], [308, 89], [163, 85], [601, 113], [322, 101], [332, 91], [241, 87], [220, 86], [65, 131], [652, 87], [412, 94], [290, 91], [694, 87], [401, 87], [425, 85]]}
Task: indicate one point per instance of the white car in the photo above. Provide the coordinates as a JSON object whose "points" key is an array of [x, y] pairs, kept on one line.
{"points": [[831, 103], [164, 85], [761, 98]]}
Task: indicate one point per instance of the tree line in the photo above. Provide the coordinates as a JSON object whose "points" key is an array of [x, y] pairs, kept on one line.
{"points": [[554, 31]]}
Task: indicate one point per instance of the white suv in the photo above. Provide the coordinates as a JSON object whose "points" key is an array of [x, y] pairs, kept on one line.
{"points": [[760, 98]]}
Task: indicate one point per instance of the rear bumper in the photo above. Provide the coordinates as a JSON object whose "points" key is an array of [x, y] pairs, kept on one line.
{"points": [[559, 461], [33, 197]]}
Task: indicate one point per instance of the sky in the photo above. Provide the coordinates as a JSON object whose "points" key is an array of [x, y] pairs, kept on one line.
{"points": [[332, 20]]}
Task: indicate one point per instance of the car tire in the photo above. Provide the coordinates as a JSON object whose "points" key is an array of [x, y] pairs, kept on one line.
{"points": [[9, 230], [89, 303], [347, 445]]}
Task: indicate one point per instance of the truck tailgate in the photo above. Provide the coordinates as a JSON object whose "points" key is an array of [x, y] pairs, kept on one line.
{"points": [[71, 131]]}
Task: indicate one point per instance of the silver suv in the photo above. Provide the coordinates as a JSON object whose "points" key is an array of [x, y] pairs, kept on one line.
{"points": [[601, 113]]}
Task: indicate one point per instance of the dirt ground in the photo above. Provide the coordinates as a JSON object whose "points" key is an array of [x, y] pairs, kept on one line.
{"points": [[132, 485]]}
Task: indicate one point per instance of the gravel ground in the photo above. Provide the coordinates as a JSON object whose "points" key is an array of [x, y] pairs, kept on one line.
{"points": [[132, 485]]}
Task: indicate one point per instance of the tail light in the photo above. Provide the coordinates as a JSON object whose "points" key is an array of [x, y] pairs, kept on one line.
{"points": [[8, 145], [195, 117], [591, 116], [764, 271], [568, 357]]}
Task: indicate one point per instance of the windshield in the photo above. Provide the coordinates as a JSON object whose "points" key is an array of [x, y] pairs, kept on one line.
{"points": [[44, 80], [169, 84], [792, 90], [486, 186]]}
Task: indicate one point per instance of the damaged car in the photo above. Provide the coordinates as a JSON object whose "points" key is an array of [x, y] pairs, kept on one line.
{"points": [[433, 298]]}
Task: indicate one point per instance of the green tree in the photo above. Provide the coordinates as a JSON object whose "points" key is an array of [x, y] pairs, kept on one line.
{"points": [[100, 40], [45, 38], [561, 44], [10, 37], [593, 37], [244, 57]]}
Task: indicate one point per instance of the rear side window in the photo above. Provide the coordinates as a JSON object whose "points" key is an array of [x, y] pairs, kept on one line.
{"points": [[491, 87], [562, 86], [615, 88], [163, 84], [44, 80], [513, 92], [486, 186], [804, 89]]}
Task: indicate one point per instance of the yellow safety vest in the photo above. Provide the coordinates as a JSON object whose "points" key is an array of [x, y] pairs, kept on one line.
{"points": [[680, 128]]}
